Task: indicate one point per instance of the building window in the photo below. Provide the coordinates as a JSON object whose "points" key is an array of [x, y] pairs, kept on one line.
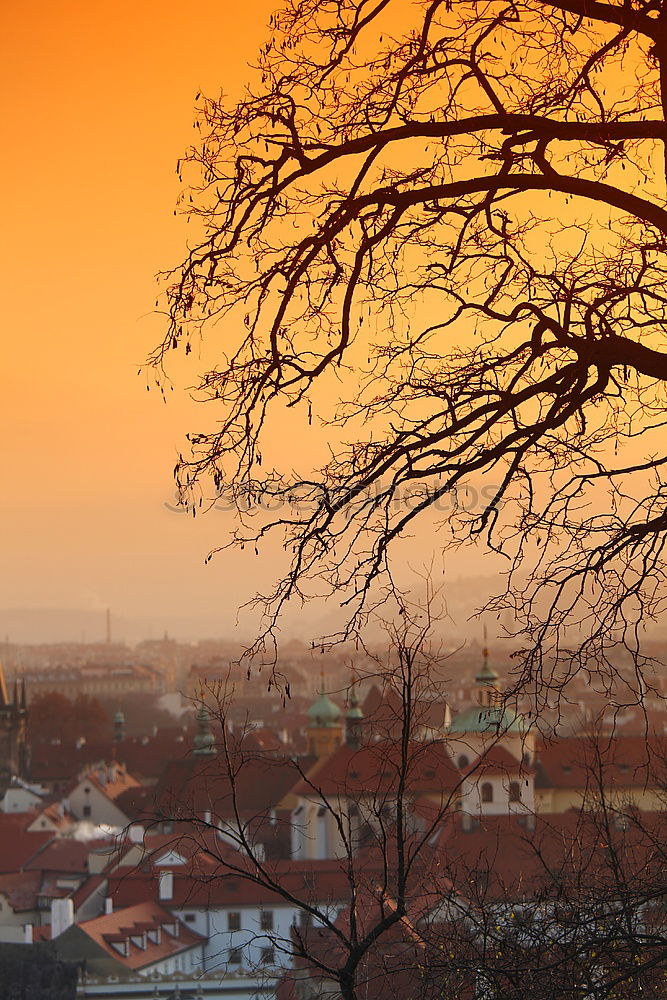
{"points": [[87, 811], [463, 761], [234, 921], [515, 791], [266, 920], [190, 918], [487, 792], [235, 956], [268, 956]]}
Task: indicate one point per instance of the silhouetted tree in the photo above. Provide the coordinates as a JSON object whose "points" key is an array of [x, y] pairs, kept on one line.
{"points": [[440, 227], [54, 716]]}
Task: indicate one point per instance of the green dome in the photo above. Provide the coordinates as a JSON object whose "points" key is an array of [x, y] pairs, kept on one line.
{"points": [[482, 719], [204, 741], [323, 712]]}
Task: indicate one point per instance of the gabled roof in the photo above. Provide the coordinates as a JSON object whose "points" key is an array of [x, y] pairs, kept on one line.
{"points": [[87, 888], [497, 760], [502, 858], [316, 881], [17, 845], [54, 814], [119, 928], [621, 761], [143, 757], [373, 770], [111, 780], [61, 855], [199, 784]]}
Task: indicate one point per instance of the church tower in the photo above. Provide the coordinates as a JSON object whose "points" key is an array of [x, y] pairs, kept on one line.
{"points": [[204, 741], [488, 683], [325, 729], [354, 719], [13, 724]]}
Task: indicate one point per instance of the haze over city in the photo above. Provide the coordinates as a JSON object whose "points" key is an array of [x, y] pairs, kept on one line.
{"points": [[358, 306]]}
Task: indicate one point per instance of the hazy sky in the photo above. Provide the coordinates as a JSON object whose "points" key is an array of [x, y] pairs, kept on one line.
{"points": [[98, 105]]}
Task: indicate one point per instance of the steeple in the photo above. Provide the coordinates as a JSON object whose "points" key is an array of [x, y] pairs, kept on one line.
{"points": [[119, 726], [204, 741], [487, 680], [4, 696], [13, 722], [354, 718]]}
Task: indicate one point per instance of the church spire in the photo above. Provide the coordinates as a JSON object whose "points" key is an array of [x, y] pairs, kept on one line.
{"points": [[354, 718], [119, 726], [4, 696], [204, 741], [487, 679]]}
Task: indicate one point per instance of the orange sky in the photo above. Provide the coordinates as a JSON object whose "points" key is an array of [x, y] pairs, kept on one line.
{"points": [[97, 106]]}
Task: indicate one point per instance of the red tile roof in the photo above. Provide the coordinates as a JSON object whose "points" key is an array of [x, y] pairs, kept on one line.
{"points": [[61, 855], [143, 758], [120, 781], [503, 858], [625, 761], [498, 760], [21, 889], [17, 845], [323, 881], [374, 769], [134, 921], [86, 889], [200, 784]]}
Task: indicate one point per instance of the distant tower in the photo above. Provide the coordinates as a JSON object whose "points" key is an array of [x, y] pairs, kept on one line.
{"points": [[325, 731], [488, 682], [119, 726], [13, 724], [354, 719], [204, 741]]}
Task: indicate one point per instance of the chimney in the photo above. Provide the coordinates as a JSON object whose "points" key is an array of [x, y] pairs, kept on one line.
{"points": [[62, 916], [108, 905], [166, 890], [27, 934]]}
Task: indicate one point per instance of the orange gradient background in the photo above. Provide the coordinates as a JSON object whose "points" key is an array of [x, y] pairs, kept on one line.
{"points": [[97, 106]]}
